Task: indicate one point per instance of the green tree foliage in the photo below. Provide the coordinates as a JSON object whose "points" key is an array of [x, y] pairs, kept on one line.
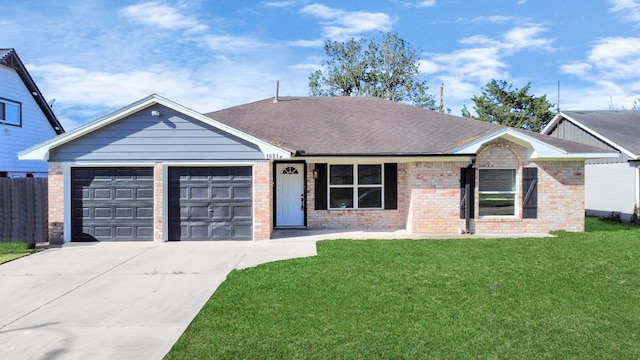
{"points": [[503, 104], [385, 67]]}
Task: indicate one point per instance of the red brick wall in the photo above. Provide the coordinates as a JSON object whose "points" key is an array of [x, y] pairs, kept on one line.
{"points": [[429, 197], [357, 219], [435, 197], [262, 200], [560, 192], [56, 203]]}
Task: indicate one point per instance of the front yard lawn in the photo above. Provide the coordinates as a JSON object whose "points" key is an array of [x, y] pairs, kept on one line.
{"points": [[575, 296], [13, 250]]}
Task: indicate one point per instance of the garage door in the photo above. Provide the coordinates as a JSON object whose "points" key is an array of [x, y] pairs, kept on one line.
{"points": [[210, 203], [112, 204]]}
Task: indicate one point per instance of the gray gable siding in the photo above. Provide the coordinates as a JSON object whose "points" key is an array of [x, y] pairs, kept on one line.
{"points": [[567, 130], [143, 137]]}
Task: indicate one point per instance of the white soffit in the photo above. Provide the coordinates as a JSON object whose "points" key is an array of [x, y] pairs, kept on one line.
{"points": [[537, 149]]}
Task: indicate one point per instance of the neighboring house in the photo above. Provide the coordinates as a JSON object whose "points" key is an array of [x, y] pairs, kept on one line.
{"points": [[611, 184], [25, 118], [156, 170]]}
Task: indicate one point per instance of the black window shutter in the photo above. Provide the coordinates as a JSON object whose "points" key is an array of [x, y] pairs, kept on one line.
{"points": [[529, 193], [391, 186], [321, 187], [467, 182]]}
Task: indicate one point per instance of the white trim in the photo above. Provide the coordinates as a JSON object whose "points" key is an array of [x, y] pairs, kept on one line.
{"points": [[516, 193], [536, 149], [346, 160], [638, 186], [588, 130], [551, 124], [152, 163], [41, 151], [67, 210], [165, 202]]}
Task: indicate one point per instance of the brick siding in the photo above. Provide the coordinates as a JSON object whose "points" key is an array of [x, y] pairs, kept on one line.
{"points": [[56, 203], [262, 200], [429, 197]]}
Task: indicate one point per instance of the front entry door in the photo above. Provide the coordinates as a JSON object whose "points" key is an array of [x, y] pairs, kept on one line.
{"points": [[290, 199]]}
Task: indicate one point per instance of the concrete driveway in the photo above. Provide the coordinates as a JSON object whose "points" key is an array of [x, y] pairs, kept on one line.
{"points": [[118, 300]]}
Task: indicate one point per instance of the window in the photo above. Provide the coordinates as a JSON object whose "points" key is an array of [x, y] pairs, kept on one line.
{"points": [[355, 186], [10, 112], [497, 192]]}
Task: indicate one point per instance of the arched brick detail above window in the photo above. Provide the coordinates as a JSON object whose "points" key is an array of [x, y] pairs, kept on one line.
{"points": [[501, 153]]}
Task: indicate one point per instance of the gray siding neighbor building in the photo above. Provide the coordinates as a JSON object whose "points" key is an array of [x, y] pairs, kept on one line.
{"points": [[611, 184]]}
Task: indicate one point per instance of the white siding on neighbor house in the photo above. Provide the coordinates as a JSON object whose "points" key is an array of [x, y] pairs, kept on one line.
{"points": [[35, 127], [610, 187]]}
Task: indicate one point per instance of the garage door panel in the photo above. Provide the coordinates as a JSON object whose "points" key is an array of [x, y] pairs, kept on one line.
{"points": [[112, 204], [210, 203]]}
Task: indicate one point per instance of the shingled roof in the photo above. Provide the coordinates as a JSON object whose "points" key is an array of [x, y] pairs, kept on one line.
{"points": [[362, 126], [620, 127], [9, 58]]}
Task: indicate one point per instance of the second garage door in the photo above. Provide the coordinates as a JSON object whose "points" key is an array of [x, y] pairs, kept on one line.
{"points": [[210, 203]]}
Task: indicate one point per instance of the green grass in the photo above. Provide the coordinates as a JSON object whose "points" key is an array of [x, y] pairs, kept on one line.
{"points": [[576, 296], [13, 250]]}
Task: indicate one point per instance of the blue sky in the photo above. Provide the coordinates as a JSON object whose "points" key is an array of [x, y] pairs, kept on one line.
{"points": [[96, 56]]}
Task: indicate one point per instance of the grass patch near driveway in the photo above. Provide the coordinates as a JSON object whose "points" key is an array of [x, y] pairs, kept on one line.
{"points": [[575, 296], [13, 250]]}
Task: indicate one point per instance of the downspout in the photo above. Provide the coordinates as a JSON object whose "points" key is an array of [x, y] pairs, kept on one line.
{"points": [[467, 190]]}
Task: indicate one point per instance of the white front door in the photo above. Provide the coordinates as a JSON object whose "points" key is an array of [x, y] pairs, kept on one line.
{"points": [[290, 199]]}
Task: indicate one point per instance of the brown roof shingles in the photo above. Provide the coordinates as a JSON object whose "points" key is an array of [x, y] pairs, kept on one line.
{"points": [[357, 126]]}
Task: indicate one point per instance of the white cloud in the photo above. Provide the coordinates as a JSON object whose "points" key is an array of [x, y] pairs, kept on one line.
{"points": [[578, 69], [630, 9], [426, 3], [229, 43], [496, 19], [162, 16], [340, 25], [306, 43], [610, 73], [280, 4], [526, 37], [611, 58]]}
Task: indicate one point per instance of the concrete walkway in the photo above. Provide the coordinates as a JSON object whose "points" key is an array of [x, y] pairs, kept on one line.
{"points": [[133, 300], [117, 300]]}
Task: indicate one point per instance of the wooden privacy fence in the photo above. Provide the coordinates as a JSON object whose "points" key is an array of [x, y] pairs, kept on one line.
{"points": [[23, 210]]}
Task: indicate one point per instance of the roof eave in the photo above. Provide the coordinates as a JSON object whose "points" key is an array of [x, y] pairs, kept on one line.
{"points": [[590, 131], [539, 150], [41, 151], [13, 61]]}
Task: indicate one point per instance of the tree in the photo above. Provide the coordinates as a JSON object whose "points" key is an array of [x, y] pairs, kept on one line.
{"points": [[503, 104], [385, 67]]}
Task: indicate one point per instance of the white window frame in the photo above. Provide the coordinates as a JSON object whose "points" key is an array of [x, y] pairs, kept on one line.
{"points": [[15, 106], [355, 187], [513, 192]]}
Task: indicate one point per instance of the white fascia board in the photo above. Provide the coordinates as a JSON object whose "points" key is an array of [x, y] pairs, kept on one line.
{"points": [[537, 149], [552, 123], [41, 151], [572, 156], [382, 159], [595, 134], [473, 146]]}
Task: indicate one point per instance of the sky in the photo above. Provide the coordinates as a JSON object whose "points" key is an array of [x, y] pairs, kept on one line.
{"points": [[94, 57]]}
